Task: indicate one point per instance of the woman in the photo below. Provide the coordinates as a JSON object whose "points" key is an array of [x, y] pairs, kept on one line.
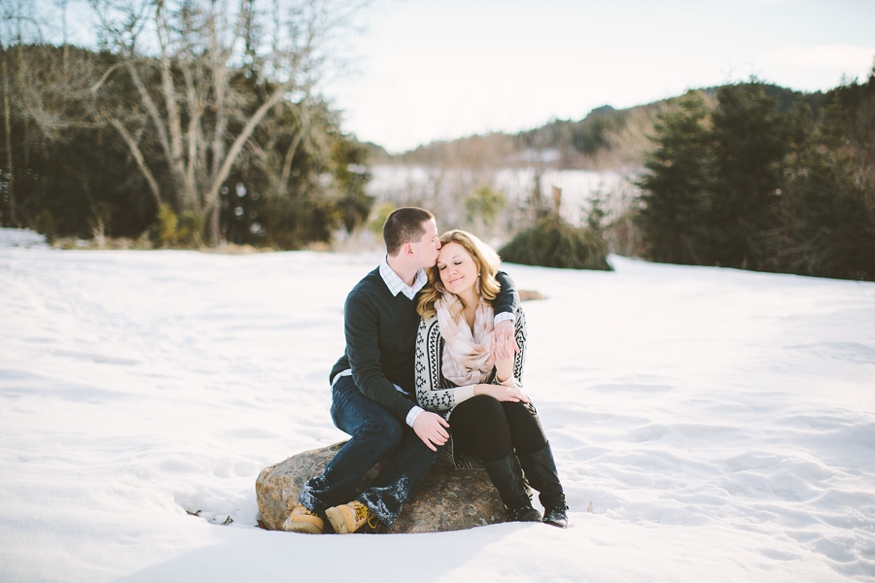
{"points": [[459, 375]]}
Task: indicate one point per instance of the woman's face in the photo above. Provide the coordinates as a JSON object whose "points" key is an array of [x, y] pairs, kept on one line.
{"points": [[457, 269]]}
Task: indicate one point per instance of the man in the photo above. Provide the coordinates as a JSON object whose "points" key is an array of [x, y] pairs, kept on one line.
{"points": [[373, 387]]}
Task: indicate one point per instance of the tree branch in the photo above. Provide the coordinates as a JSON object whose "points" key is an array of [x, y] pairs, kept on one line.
{"points": [[138, 156]]}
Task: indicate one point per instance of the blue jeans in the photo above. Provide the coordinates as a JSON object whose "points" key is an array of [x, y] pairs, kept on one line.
{"points": [[376, 434]]}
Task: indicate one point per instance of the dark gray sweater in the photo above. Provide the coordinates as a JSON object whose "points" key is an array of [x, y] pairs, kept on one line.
{"points": [[380, 332]]}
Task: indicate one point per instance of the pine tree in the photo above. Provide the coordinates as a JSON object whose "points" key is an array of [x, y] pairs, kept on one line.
{"points": [[679, 185], [750, 140], [825, 226]]}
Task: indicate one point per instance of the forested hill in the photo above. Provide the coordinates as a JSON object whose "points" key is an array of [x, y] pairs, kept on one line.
{"points": [[748, 175], [605, 138]]}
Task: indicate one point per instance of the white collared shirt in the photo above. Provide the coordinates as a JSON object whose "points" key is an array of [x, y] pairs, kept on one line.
{"points": [[396, 284]]}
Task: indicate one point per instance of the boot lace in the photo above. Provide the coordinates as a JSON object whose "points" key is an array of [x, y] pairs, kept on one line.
{"points": [[374, 523], [361, 512]]}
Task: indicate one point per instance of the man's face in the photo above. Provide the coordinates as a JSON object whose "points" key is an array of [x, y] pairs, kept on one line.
{"points": [[428, 247]]}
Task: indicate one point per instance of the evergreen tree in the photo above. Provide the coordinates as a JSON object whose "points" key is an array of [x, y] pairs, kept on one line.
{"points": [[750, 140], [765, 182], [551, 242], [679, 185], [825, 227]]}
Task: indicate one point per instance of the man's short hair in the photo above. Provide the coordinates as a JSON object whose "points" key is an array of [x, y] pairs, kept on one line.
{"points": [[404, 225]]}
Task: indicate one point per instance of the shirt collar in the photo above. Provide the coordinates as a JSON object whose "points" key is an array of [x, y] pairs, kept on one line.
{"points": [[396, 284]]}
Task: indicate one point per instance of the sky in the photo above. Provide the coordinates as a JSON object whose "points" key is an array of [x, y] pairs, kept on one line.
{"points": [[423, 70], [428, 70]]}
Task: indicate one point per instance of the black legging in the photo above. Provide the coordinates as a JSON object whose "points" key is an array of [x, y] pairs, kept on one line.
{"points": [[491, 429]]}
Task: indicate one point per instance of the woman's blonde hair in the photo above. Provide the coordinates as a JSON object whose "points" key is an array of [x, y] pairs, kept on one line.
{"points": [[486, 260]]}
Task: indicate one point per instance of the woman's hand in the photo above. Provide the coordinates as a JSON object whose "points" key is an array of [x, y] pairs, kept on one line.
{"points": [[503, 359], [501, 393], [503, 341]]}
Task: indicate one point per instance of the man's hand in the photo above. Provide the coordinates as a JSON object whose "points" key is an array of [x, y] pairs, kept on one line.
{"points": [[431, 429], [503, 342]]}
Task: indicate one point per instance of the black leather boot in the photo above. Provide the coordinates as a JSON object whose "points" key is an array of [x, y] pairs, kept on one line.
{"points": [[507, 477], [540, 470]]}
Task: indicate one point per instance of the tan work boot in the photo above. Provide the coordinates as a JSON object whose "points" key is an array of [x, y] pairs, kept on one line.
{"points": [[352, 516], [302, 520]]}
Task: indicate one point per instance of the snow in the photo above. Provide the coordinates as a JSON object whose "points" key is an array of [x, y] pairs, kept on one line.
{"points": [[448, 187], [720, 422], [21, 238]]}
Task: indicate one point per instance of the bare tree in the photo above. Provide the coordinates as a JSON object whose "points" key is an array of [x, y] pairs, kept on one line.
{"points": [[186, 58]]}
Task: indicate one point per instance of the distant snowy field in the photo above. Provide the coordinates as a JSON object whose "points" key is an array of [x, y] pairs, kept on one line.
{"points": [[721, 423]]}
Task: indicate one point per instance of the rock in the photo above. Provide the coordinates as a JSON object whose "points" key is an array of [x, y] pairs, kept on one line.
{"points": [[528, 295], [447, 499]]}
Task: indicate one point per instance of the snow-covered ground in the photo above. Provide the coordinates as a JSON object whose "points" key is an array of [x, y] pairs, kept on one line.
{"points": [[721, 423], [447, 189]]}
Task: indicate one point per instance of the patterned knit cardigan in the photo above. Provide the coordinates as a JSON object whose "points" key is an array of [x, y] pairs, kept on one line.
{"points": [[435, 393]]}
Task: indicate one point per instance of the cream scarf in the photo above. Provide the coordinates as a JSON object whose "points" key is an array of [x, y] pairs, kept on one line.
{"points": [[467, 357]]}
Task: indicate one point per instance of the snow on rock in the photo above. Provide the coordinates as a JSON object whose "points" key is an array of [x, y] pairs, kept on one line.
{"points": [[719, 424]]}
